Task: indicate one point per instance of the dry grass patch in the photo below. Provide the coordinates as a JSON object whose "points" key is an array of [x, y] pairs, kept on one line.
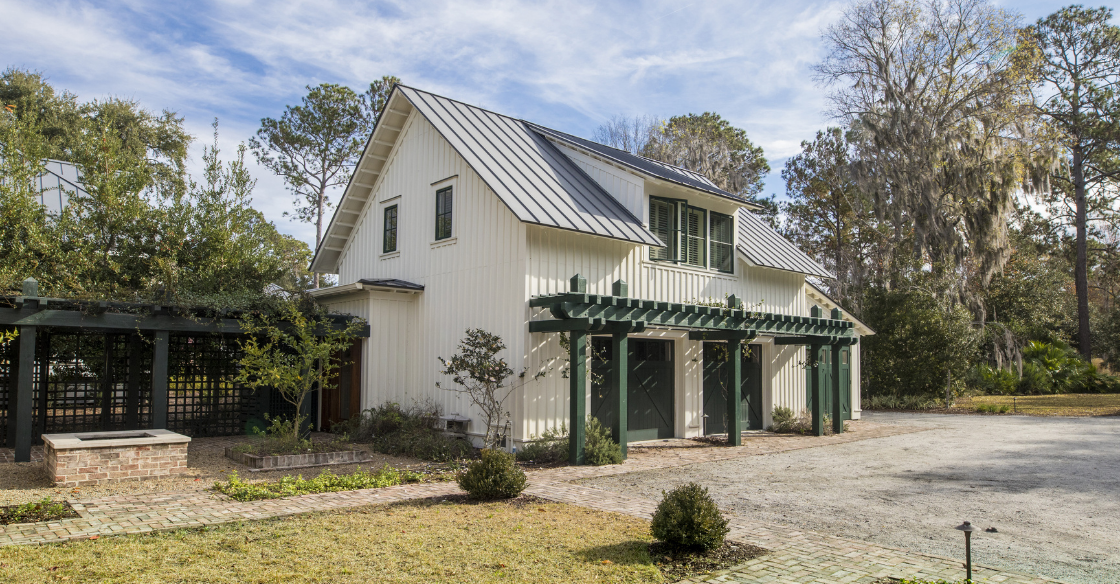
{"points": [[1067, 404], [523, 540]]}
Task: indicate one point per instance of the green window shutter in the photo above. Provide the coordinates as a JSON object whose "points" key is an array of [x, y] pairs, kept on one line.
{"points": [[663, 224], [389, 239], [443, 213], [696, 237], [723, 242]]}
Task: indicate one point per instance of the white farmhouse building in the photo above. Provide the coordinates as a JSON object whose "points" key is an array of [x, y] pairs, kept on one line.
{"points": [[458, 218]]}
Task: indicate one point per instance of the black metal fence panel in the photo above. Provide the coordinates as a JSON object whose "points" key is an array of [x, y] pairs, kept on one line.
{"points": [[87, 381]]}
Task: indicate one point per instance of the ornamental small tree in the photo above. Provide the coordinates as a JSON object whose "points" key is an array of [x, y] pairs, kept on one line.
{"points": [[479, 373], [291, 352]]}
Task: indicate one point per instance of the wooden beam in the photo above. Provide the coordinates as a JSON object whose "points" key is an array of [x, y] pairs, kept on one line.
{"points": [[577, 378], [722, 335], [393, 128], [620, 350], [125, 322], [384, 143], [397, 111], [734, 392], [160, 380], [818, 339], [837, 408], [816, 389], [21, 398], [135, 378]]}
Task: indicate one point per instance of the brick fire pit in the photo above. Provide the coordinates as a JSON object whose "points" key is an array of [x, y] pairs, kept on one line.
{"points": [[93, 458]]}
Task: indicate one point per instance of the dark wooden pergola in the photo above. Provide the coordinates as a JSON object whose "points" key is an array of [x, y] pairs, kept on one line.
{"points": [[30, 314], [580, 314]]}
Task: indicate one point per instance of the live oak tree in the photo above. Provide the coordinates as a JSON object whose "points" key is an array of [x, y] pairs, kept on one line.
{"points": [[1077, 62], [710, 145], [315, 145], [939, 99]]}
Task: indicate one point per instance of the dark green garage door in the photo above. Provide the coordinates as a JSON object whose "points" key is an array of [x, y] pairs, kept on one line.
{"points": [[715, 392], [650, 385], [825, 360]]}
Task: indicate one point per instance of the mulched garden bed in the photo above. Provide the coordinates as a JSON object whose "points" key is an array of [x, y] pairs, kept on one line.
{"points": [[45, 510], [677, 564]]}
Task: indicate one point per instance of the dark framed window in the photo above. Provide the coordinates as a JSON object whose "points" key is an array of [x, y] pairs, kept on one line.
{"points": [[389, 239], [664, 224], [695, 237], [722, 242], [443, 213]]}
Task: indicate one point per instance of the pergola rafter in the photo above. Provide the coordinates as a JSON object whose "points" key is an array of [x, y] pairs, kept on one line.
{"points": [[579, 314]]}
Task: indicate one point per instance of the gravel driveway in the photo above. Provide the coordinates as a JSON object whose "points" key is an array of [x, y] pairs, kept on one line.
{"points": [[1051, 486]]}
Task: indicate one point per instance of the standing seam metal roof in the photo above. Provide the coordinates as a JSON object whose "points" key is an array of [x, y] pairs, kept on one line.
{"points": [[642, 164], [765, 247], [530, 175]]}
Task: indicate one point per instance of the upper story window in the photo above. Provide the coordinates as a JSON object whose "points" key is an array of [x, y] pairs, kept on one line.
{"points": [[693, 236], [722, 256], [389, 238], [443, 213]]}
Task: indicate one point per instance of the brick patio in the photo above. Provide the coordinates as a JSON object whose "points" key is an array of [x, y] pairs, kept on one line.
{"points": [[795, 556]]}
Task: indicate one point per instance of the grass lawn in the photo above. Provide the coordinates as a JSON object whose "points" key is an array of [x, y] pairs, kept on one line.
{"points": [[524, 540], [1069, 404]]}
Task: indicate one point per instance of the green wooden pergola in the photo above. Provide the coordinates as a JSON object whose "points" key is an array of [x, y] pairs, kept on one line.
{"points": [[580, 314], [29, 313]]}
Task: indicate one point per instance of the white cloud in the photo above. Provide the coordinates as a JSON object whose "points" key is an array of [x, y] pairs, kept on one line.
{"points": [[566, 64]]}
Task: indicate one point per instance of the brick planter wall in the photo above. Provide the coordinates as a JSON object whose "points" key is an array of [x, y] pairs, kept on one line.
{"points": [[255, 462], [72, 462]]}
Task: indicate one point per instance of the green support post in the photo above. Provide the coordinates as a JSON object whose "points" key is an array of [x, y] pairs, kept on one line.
{"points": [[577, 377], [837, 407], [620, 349], [734, 392], [816, 389], [159, 380], [22, 405]]}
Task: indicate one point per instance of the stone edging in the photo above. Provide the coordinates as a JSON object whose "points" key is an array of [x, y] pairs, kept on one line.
{"points": [[290, 461]]}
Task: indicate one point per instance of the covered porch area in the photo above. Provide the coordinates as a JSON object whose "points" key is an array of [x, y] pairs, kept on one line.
{"points": [[614, 318]]}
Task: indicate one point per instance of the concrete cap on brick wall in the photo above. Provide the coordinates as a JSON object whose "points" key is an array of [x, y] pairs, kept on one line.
{"points": [[113, 439]]}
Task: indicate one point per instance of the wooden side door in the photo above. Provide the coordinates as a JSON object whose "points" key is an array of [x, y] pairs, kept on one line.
{"points": [[343, 392]]}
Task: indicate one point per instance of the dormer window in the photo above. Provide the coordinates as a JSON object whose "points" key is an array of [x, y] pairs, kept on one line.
{"points": [[693, 236]]}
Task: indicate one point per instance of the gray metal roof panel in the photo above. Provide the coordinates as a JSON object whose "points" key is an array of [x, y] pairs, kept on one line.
{"points": [[391, 283], [765, 247], [642, 164], [532, 177]]}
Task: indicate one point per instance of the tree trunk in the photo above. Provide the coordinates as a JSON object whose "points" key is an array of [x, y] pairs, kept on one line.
{"points": [[1081, 271], [319, 227]]}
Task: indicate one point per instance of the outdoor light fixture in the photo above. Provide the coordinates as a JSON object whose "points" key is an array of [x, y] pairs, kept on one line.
{"points": [[967, 528]]}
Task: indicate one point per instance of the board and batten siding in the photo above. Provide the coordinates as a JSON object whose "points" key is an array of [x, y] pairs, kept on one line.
{"points": [[554, 256], [625, 186], [475, 279]]}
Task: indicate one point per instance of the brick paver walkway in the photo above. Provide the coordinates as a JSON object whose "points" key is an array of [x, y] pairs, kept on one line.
{"points": [[795, 556]]}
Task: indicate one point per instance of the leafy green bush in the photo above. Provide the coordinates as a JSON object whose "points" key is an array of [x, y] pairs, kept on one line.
{"points": [[992, 381], [391, 429], [600, 448], [281, 438], [326, 482], [786, 422], [898, 402], [992, 409], [494, 476], [688, 517], [551, 446], [920, 338]]}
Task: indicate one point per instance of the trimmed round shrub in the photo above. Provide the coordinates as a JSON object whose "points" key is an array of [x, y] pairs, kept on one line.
{"points": [[599, 448], [687, 517], [494, 476]]}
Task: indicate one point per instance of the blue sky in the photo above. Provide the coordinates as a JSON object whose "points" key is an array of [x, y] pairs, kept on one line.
{"points": [[564, 64]]}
